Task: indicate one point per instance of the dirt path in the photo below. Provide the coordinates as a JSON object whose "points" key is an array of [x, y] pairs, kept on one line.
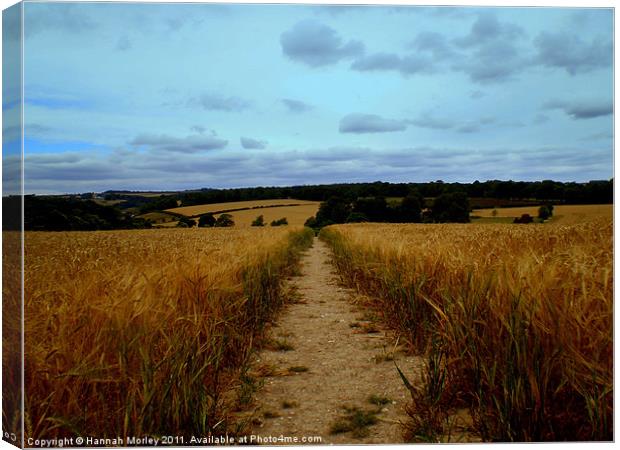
{"points": [[328, 359]]}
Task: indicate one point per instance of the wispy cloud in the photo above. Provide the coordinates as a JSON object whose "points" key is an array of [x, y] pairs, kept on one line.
{"points": [[189, 144]]}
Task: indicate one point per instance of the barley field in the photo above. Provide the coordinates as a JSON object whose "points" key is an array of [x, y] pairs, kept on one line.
{"points": [[515, 322], [564, 214], [146, 332], [195, 210]]}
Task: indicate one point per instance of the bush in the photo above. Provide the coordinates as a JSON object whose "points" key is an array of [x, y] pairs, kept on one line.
{"points": [[259, 221], [206, 220], [186, 222], [277, 223], [225, 220], [545, 211], [525, 218]]}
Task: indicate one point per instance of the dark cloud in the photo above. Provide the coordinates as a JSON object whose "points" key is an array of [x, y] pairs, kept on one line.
{"points": [[315, 44], [433, 42], [189, 144], [369, 123], [487, 28], [582, 109], [162, 170], [123, 43], [493, 62], [216, 102], [569, 52], [250, 143], [296, 106], [407, 65]]}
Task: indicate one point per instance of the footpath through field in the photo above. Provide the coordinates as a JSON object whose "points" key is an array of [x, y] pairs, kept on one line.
{"points": [[330, 372]]}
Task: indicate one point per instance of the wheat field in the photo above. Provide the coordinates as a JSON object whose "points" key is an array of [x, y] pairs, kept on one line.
{"points": [[515, 322], [196, 210], [146, 332], [564, 214]]}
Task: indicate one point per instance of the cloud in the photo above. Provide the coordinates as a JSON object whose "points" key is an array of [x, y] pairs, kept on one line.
{"points": [[569, 52], [369, 123], [315, 44], [582, 109], [216, 102], [250, 143], [123, 43], [296, 106], [476, 94], [407, 65], [493, 62], [198, 129], [487, 28], [428, 121], [189, 144], [434, 43]]}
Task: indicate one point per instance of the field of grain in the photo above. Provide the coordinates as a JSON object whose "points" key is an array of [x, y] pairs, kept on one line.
{"points": [[146, 332], [295, 215], [564, 214], [230, 206], [516, 322]]}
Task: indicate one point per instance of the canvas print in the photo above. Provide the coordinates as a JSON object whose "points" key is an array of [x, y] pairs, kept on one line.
{"points": [[298, 224]]}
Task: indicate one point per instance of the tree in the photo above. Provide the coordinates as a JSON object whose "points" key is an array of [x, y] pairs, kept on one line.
{"points": [[334, 210], [259, 221], [374, 208], [410, 209], [451, 207], [225, 220], [544, 212], [277, 223], [206, 220]]}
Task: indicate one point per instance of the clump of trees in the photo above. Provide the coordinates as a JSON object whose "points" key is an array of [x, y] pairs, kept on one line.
{"points": [[72, 214], [279, 222], [447, 207], [186, 222], [206, 220], [225, 220]]}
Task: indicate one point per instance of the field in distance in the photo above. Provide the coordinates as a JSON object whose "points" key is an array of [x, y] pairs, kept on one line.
{"points": [[564, 214], [196, 210]]}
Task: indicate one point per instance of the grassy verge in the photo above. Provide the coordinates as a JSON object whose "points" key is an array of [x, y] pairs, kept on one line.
{"points": [[146, 332], [516, 323]]}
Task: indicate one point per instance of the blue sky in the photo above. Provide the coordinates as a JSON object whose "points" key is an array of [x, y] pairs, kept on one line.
{"points": [[180, 96]]}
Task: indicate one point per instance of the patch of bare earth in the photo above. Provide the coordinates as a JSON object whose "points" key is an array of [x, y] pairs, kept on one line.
{"points": [[329, 371]]}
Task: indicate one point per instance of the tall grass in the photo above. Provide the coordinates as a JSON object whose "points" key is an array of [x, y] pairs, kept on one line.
{"points": [[145, 332], [516, 322]]}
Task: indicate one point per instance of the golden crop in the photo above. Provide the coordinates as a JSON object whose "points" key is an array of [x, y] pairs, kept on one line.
{"points": [[516, 321], [132, 332]]}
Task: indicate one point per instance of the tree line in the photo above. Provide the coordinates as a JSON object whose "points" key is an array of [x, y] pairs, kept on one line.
{"points": [[592, 192], [446, 207]]}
